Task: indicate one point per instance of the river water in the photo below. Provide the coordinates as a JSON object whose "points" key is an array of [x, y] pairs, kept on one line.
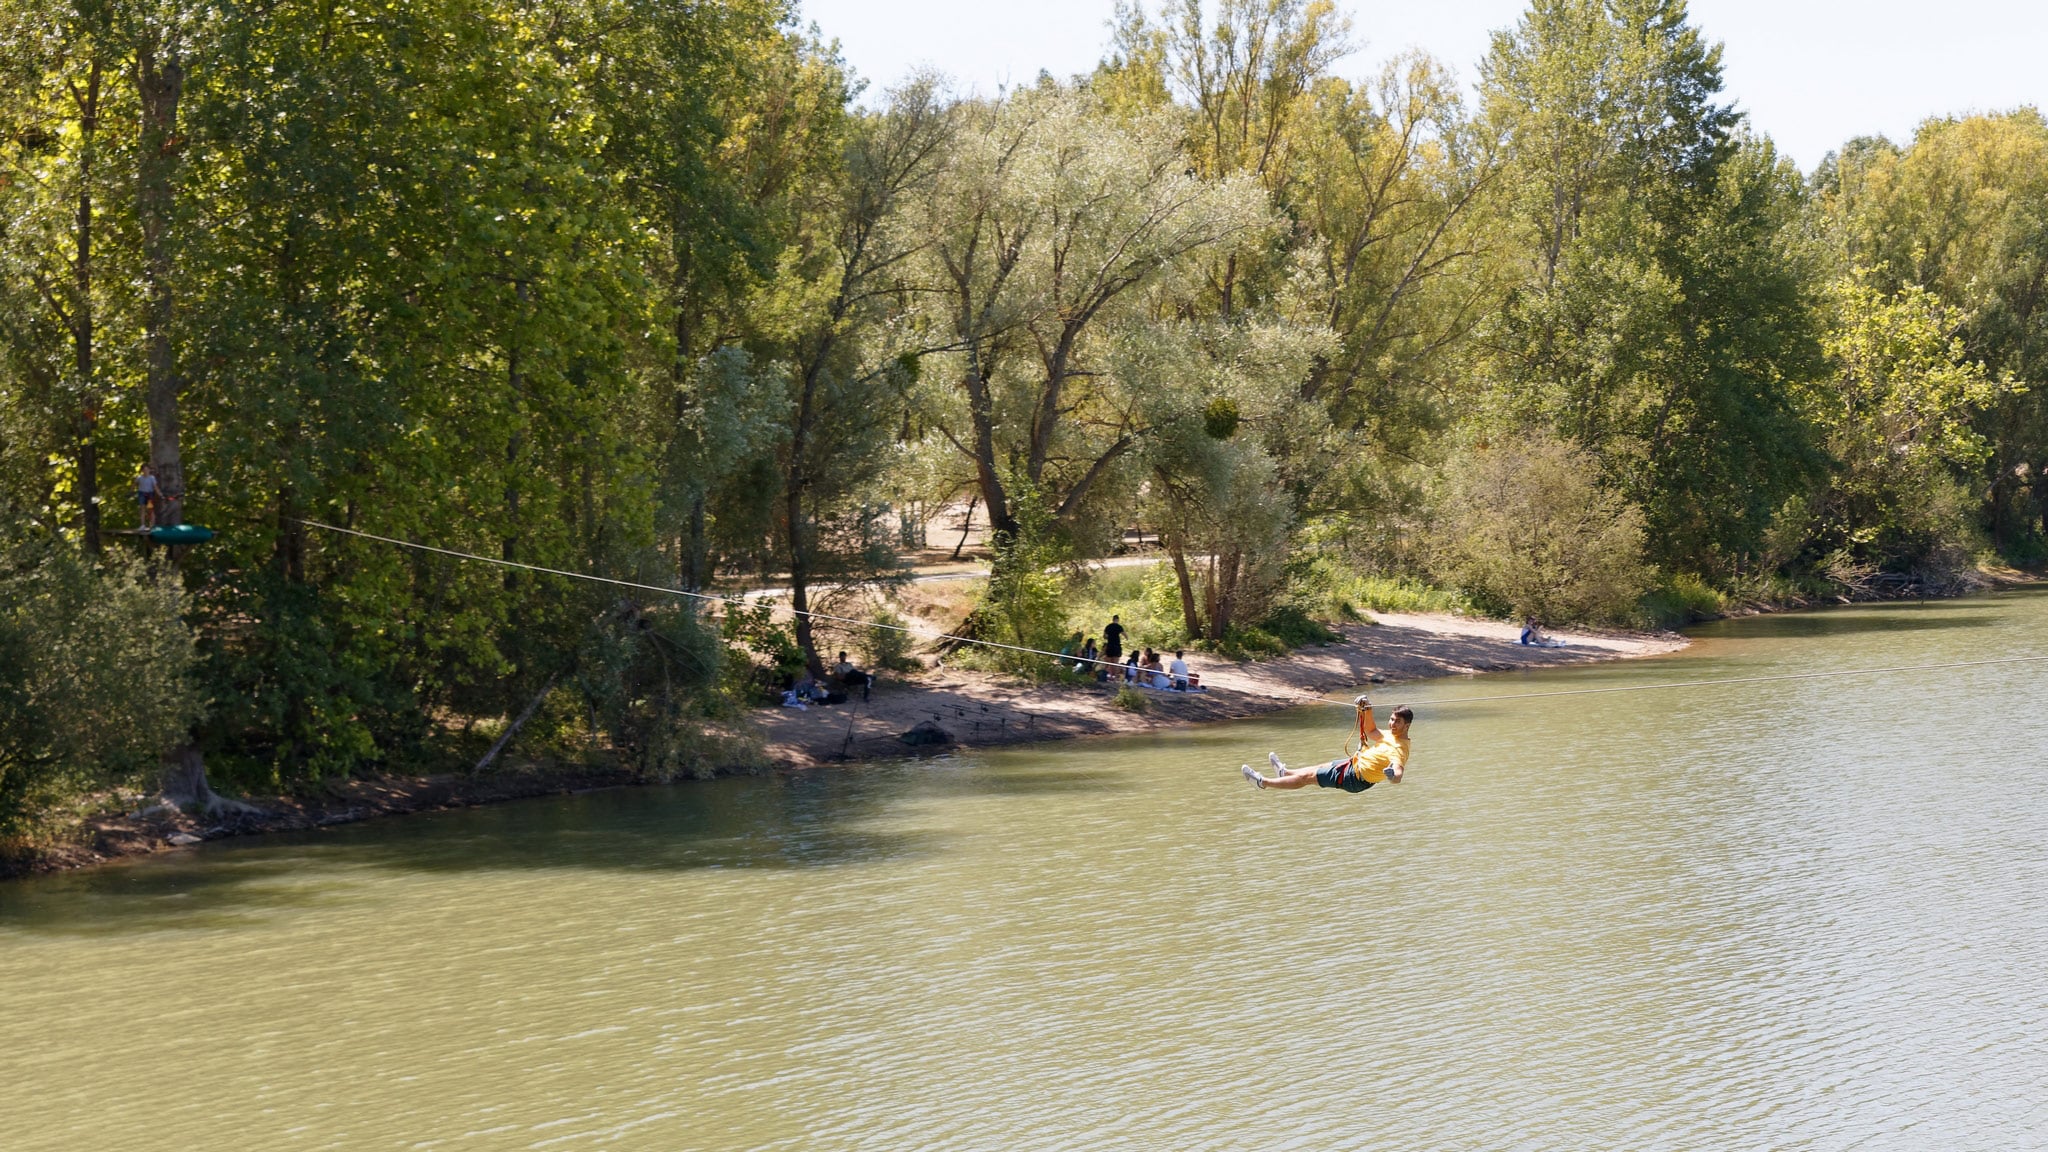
{"points": [[1804, 915]]}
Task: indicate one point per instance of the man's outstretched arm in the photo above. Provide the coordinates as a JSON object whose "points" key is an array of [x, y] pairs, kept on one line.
{"points": [[1368, 732]]}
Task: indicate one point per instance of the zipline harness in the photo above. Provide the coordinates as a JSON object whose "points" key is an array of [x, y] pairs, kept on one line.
{"points": [[1304, 696]]}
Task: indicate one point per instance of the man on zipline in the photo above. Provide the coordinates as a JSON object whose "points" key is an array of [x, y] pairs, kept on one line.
{"points": [[1382, 758]]}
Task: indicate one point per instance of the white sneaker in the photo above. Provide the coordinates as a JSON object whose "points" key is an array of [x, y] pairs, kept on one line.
{"points": [[1279, 769], [1257, 780]]}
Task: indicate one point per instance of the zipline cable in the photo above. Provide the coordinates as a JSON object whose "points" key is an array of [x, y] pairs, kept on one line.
{"points": [[1730, 680], [1304, 696], [730, 601]]}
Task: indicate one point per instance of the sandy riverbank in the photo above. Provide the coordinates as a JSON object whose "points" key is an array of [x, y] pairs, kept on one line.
{"points": [[979, 709], [975, 709]]}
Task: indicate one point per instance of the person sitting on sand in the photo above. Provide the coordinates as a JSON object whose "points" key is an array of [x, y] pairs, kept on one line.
{"points": [[1178, 670], [1086, 661], [852, 676], [1534, 636], [1131, 669], [1382, 758]]}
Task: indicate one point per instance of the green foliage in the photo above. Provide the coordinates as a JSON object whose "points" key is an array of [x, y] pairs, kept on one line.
{"points": [[1129, 699], [1682, 599], [1022, 603], [1528, 529], [1220, 418], [1899, 423], [1142, 596], [1960, 212], [95, 677], [764, 653], [887, 646], [1325, 579], [643, 677], [1400, 594], [1292, 626]]}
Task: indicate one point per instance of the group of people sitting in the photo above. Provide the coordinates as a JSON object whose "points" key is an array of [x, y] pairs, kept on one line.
{"points": [[1142, 669], [808, 689]]}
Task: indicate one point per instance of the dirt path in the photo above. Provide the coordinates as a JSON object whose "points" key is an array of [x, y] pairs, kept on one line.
{"points": [[979, 709]]}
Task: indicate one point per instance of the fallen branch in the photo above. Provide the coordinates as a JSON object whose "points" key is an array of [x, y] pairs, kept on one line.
{"points": [[512, 730]]}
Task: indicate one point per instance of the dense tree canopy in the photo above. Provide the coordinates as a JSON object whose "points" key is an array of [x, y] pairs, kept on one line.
{"points": [[660, 291]]}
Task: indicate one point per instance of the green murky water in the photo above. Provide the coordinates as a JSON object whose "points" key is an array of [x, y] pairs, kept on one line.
{"points": [[1806, 915]]}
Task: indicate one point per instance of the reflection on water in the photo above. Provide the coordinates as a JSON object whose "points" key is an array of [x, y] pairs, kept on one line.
{"points": [[1807, 914]]}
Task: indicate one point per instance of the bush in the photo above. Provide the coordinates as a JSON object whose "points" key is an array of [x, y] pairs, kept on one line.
{"points": [[95, 677], [1249, 643], [1129, 699], [1392, 594], [1528, 529], [1680, 600], [645, 680], [1291, 625], [886, 646], [760, 654], [1022, 604]]}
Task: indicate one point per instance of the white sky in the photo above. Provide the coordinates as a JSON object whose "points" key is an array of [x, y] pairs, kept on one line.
{"points": [[1810, 73]]}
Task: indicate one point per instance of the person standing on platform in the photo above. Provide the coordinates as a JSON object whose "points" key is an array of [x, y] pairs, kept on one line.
{"points": [[146, 495]]}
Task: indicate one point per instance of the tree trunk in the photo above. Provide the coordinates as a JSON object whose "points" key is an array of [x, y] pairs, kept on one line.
{"points": [[2041, 494], [82, 319], [184, 778], [512, 730], [1191, 619], [1224, 570], [799, 583], [184, 785], [967, 524], [159, 83], [696, 552], [981, 410]]}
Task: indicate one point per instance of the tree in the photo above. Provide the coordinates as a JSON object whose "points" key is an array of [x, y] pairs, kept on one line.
{"points": [[1963, 211], [1220, 443], [1899, 426], [63, 84], [95, 676], [1662, 314], [826, 319], [1528, 528], [1051, 223]]}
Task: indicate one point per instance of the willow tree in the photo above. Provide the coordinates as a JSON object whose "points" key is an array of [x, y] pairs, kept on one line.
{"points": [[1242, 74], [1216, 456], [1050, 225]]}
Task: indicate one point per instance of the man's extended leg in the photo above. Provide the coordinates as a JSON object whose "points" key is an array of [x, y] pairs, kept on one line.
{"points": [[1292, 778]]}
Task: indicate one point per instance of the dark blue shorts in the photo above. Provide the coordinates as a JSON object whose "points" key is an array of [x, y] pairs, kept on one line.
{"points": [[1337, 774]]}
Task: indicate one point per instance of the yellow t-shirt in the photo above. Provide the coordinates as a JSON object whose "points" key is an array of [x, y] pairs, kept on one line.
{"points": [[1374, 760]]}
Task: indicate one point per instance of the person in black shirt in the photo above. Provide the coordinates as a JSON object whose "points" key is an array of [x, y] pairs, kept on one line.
{"points": [[1113, 640]]}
